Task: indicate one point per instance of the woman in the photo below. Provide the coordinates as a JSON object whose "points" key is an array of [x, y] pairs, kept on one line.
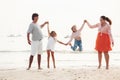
{"points": [[104, 39]]}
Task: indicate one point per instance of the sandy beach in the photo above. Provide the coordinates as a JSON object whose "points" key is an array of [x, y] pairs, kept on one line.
{"points": [[85, 73], [70, 66]]}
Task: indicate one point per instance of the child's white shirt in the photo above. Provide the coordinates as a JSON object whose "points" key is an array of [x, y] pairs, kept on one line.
{"points": [[51, 43]]}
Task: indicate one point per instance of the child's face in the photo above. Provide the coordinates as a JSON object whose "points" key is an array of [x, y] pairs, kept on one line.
{"points": [[74, 29], [54, 34]]}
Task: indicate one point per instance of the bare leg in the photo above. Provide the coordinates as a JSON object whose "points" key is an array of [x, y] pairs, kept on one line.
{"points": [[99, 59], [106, 59], [53, 58], [30, 62], [48, 58], [39, 61]]}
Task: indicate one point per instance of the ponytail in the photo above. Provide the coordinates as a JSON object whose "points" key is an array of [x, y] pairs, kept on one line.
{"points": [[107, 19]]}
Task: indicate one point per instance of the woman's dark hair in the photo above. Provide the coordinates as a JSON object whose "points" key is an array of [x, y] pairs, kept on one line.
{"points": [[107, 19], [34, 15]]}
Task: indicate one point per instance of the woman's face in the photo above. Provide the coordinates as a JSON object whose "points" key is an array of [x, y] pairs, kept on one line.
{"points": [[102, 21]]}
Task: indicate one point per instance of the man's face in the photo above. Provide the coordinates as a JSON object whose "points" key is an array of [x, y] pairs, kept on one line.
{"points": [[35, 19]]}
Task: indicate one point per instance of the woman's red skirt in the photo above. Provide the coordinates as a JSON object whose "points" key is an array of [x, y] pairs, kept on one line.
{"points": [[103, 42]]}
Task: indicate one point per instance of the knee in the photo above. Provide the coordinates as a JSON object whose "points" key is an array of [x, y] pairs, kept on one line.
{"points": [[52, 54], [48, 55]]}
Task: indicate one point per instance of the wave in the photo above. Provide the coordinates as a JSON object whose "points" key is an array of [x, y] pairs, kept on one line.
{"points": [[58, 51]]}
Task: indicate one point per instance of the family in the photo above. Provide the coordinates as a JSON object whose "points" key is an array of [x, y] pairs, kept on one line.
{"points": [[103, 41]]}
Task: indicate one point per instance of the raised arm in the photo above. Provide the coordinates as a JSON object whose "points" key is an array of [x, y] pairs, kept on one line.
{"points": [[82, 26], [42, 25], [48, 29], [92, 26]]}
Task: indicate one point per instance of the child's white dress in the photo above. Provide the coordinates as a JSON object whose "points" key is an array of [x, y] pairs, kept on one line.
{"points": [[51, 43]]}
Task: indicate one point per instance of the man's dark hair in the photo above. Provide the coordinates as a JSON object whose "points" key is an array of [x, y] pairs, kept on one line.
{"points": [[34, 15]]}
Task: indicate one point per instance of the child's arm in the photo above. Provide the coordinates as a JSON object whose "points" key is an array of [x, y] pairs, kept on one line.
{"points": [[42, 25], [48, 29], [82, 26], [60, 42], [70, 40]]}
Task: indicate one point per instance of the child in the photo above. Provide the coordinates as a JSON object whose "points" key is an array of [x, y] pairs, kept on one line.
{"points": [[51, 45], [77, 36]]}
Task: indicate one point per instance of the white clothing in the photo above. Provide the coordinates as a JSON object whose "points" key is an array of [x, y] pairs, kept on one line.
{"points": [[51, 43], [36, 47]]}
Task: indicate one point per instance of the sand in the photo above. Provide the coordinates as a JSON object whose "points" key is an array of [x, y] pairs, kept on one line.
{"points": [[86, 73], [70, 66]]}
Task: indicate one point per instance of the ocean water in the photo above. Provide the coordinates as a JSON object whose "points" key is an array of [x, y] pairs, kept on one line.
{"points": [[15, 51], [19, 43]]}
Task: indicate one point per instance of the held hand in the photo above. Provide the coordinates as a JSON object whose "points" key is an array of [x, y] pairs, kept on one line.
{"points": [[29, 42], [46, 22], [70, 44], [85, 21]]}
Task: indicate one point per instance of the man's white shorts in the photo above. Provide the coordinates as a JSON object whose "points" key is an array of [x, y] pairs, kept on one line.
{"points": [[36, 47]]}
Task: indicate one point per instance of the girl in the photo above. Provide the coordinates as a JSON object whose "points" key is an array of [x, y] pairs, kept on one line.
{"points": [[77, 36], [51, 45], [104, 39]]}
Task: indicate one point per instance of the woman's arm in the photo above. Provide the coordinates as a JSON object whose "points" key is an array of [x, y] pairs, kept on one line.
{"points": [[110, 35], [92, 26]]}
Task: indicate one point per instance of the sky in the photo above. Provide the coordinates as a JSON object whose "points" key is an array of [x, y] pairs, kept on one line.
{"points": [[15, 17], [62, 14]]}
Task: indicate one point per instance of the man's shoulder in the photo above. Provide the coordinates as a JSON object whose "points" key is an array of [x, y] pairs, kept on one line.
{"points": [[32, 24]]}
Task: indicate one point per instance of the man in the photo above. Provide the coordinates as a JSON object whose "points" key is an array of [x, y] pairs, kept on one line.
{"points": [[36, 43]]}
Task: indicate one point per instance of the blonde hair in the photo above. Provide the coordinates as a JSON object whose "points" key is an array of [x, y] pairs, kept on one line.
{"points": [[73, 27]]}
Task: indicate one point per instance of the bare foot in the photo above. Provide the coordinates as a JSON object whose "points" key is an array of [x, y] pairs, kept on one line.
{"points": [[54, 67], [48, 67], [28, 68], [99, 66], [39, 68], [107, 67]]}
